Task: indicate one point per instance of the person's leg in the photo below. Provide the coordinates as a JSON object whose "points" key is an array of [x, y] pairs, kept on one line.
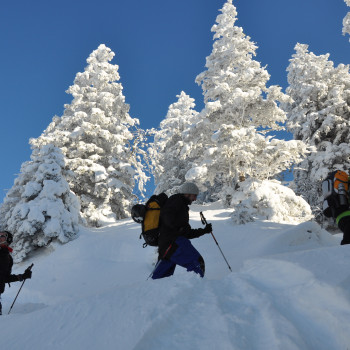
{"points": [[188, 257], [165, 268], [344, 225], [202, 264]]}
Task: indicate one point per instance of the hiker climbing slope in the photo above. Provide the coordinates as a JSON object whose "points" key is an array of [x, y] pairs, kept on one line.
{"points": [[335, 190], [6, 263], [175, 247]]}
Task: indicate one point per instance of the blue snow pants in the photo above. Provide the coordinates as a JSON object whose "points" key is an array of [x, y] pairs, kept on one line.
{"points": [[185, 255]]}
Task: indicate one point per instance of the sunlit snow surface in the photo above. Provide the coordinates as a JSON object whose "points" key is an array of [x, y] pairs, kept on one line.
{"points": [[289, 289]]}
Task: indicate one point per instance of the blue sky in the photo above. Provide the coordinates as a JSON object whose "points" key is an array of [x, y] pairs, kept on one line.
{"points": [[160, 48]]}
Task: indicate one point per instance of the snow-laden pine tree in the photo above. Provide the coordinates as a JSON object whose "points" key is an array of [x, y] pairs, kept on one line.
{"points": [[239, 110], [40, 206], [96, 137], [346, 21], [169, 165], [320, 116]]}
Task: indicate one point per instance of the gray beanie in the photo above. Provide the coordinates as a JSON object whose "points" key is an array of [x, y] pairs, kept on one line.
{"points": [[189, 188]]}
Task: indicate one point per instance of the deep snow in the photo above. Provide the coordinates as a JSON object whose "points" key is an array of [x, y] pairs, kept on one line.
{"points": [[290, 289]]}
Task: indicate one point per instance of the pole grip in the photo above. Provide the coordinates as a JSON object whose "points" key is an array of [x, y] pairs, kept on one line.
{"points": [[203, 219]]}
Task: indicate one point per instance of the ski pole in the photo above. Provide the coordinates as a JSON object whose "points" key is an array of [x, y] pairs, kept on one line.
{"points": [[28, 268], [158, 262], [204, 222]]}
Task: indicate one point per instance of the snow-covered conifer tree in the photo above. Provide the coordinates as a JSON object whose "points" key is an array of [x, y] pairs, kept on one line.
{"points": [[169, 165], [320, 116], [239, 110], [95, 136], [234, 83], [40, 206], [346, 21]]}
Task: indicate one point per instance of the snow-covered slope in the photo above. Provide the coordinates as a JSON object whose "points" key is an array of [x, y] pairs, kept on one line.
{"points": [[290, 289]]}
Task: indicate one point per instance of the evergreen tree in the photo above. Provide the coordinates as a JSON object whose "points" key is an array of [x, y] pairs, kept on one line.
{"points": [[40, 206], [234, 84], [239, 111], [169, 164], [96, 137], [320, 116], [346, 20]]}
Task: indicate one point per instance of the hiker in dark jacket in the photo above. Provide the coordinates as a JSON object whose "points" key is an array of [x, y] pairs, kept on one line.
{"points": [[174, 243], [6, 263], [336, 202], [341, 215]]}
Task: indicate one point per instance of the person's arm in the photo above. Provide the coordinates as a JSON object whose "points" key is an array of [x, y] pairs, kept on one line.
{"points": [[197, 232], [21, 277], [3, 267]]}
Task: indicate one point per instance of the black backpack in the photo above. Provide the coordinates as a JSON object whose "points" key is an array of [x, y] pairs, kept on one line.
{"points": [[148, 216]]}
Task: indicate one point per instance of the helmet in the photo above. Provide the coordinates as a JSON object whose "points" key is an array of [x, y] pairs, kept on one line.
{"points": [[189, 188]]}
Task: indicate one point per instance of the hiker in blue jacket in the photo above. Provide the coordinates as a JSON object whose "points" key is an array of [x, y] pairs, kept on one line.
{"points": [[174, 243]]}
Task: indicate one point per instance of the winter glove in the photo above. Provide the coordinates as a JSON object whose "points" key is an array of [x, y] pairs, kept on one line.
{"points": [[208, 228], [27, 274]]}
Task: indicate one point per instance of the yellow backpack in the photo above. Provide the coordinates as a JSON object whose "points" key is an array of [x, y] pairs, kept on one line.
{"points": [[148, 215], [151, 220]]}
